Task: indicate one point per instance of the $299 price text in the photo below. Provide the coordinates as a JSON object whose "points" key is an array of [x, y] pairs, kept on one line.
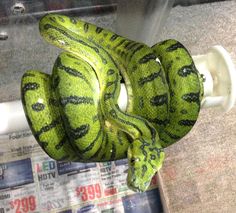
{"points": [[24, 205]]}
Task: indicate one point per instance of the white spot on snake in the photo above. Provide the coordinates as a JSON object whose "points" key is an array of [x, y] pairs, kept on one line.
{"points": [[107, 123], [157, 60], [62, 42], [40, 100]]}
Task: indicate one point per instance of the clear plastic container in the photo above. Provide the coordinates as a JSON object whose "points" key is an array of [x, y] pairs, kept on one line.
{"points": [[29, 180], [22, 47], [142, 20]]}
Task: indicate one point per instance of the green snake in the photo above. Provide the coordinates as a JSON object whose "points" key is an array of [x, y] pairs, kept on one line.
{"points": [[74, 115]]}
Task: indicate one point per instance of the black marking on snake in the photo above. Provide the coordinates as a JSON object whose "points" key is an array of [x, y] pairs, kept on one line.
{"points": [[27, 87], [153, 157], [173, 136], [140, 47], [147, 58], [30, 86], [175, 46], [100, 149], [106, 144], [105, 35], [187, 122], [53, 102], [53, 38], [112, 95], [142, 147], [114, 37], [172, 109], [158, 151], [99, 30], [129, 43], [144, 169], [184, 111], [187, 70], [61, 19], [48, 26], [72, 71], [53, 19], [159, 57], [110, 72], [172, 93], [101, 40], [119, 44], [110, 83], [163, 42], [114, 115], [159, 100], [38, 107], [192, 97], [168, 66], [61, 143], [134, 68], [43, 144], [79, 132], [141, 102], [73, 20], [174, 82], [28, 75], [104, 61], [113, 152], [76, 100], [132, 46], [86, 27], [55, 81], [149, 78], [119, 138], [95, 118], [159, 121], [133, 160], [91, 145], [151, 129], [73, 57], [48, 127], [107, 96]]}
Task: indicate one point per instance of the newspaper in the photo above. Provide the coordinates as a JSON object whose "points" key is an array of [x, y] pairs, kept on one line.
{"points": [[30, 181]]}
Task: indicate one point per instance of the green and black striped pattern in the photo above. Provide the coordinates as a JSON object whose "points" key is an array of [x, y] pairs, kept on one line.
{"points": [[74, 115]]}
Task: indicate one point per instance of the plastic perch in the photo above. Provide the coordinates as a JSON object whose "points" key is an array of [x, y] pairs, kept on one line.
{"points": [[216, 66]]}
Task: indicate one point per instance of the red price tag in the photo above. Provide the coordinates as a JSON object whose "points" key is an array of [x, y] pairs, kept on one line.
{"points": [[89, 192], [25, 204]]}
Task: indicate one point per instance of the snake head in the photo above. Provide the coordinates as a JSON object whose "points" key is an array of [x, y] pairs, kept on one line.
{"points": [[144, 162]]}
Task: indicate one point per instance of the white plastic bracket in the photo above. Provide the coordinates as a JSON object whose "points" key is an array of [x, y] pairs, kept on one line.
{"points": [[220, 78], [219, 90]]}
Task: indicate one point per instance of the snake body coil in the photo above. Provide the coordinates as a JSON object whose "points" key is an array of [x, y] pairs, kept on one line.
{"points": [[74, 114]]}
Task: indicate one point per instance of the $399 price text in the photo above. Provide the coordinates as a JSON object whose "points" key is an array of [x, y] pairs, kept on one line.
{"points": [[89, 192]]}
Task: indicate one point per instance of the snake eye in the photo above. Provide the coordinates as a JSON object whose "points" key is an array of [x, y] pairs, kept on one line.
{"points": [[133, 160]]}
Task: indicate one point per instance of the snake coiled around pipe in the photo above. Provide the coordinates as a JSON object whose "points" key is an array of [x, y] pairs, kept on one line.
{"points": [[74, 115]]}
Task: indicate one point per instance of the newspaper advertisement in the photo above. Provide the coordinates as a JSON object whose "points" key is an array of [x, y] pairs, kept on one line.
{"points": [[30, 181]]}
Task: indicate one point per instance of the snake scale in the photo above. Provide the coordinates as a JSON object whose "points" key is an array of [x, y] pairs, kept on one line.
{"points": [[74, 115]]}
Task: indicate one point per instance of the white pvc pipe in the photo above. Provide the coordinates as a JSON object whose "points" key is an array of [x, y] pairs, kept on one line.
{"points": [[219, 90], [12, 117]]}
